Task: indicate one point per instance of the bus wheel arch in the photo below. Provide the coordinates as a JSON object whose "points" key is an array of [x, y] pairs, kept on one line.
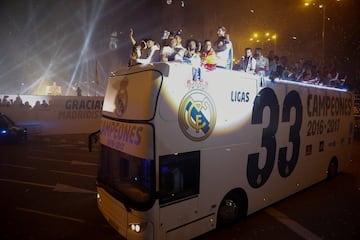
{"points": [[332, 170], [233, 207]]}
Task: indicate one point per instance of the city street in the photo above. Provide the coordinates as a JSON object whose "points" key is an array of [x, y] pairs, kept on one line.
{"points": [[207, 111], [48, 191]]}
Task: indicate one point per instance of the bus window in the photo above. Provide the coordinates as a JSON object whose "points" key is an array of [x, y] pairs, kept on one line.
{"points": [[126, 174], [179, 176]]}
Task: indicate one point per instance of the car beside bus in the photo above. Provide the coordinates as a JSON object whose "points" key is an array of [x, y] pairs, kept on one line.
{"points": [[10, 132]]}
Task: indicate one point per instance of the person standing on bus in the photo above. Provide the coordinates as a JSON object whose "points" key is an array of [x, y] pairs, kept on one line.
{"points": [[208, 56], [262, 63], [172, 49], [192, 56], [179, 48], [154, 55], [248, 62], [224, 52], [168, 52], [139, 50]]}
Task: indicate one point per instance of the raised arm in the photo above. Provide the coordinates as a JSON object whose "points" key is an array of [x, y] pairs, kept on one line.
{"points": [[131, 36]]}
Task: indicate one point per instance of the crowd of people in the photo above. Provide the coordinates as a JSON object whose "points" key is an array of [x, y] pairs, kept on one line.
{"points": [[219, 54], [207, 54], [18, 102]]}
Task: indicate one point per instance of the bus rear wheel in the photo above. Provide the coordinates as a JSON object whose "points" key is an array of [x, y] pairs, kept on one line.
{"points": [[231, 209]]}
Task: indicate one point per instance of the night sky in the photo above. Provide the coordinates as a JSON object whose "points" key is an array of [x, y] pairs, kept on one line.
{"points": [[62, 41]]}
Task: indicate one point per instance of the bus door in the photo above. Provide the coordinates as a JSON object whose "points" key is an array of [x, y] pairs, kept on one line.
{"points": [[179, 176]]}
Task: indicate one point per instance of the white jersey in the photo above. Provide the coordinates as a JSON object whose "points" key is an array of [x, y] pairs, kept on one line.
{"points": [[224, 58]]}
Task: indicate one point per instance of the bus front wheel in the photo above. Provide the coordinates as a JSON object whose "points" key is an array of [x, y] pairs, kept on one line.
{"points": [[232, 208]]}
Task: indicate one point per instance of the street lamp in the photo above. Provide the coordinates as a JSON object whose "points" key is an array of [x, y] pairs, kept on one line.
{"points": [[274, 37], [321, 6], [264, 37]]}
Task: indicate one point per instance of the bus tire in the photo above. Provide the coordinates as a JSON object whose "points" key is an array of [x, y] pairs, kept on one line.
{"points": [[332, 169], [232, 208]]}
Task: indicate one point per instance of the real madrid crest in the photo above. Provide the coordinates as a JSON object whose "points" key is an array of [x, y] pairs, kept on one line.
{"points": [[121, 99], [197, 115]]}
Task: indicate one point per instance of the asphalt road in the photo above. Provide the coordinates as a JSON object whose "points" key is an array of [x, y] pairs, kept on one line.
{"points": [[47, 188]]}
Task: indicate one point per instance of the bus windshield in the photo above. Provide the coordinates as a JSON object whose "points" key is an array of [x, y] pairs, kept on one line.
{"points": [[129, 177]]}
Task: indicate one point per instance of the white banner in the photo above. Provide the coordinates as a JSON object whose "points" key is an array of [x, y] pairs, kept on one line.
{"points": [[54, 114]]}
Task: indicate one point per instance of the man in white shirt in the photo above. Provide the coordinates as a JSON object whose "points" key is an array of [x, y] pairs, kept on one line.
{"points": [[154, 55], [248, 62], [262, 63], [179, 48], [172, 49]]}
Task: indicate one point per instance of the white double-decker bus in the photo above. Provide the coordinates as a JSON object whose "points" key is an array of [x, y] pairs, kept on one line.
{"points": [[184, 150]]}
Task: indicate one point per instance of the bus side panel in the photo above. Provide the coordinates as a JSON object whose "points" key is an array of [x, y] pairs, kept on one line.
{"points": [[314, 126], [327, 128], [306, 160], [270, 141]]}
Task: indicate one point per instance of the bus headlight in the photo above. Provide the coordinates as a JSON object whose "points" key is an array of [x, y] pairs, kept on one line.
{"points": [[138, 227]]}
